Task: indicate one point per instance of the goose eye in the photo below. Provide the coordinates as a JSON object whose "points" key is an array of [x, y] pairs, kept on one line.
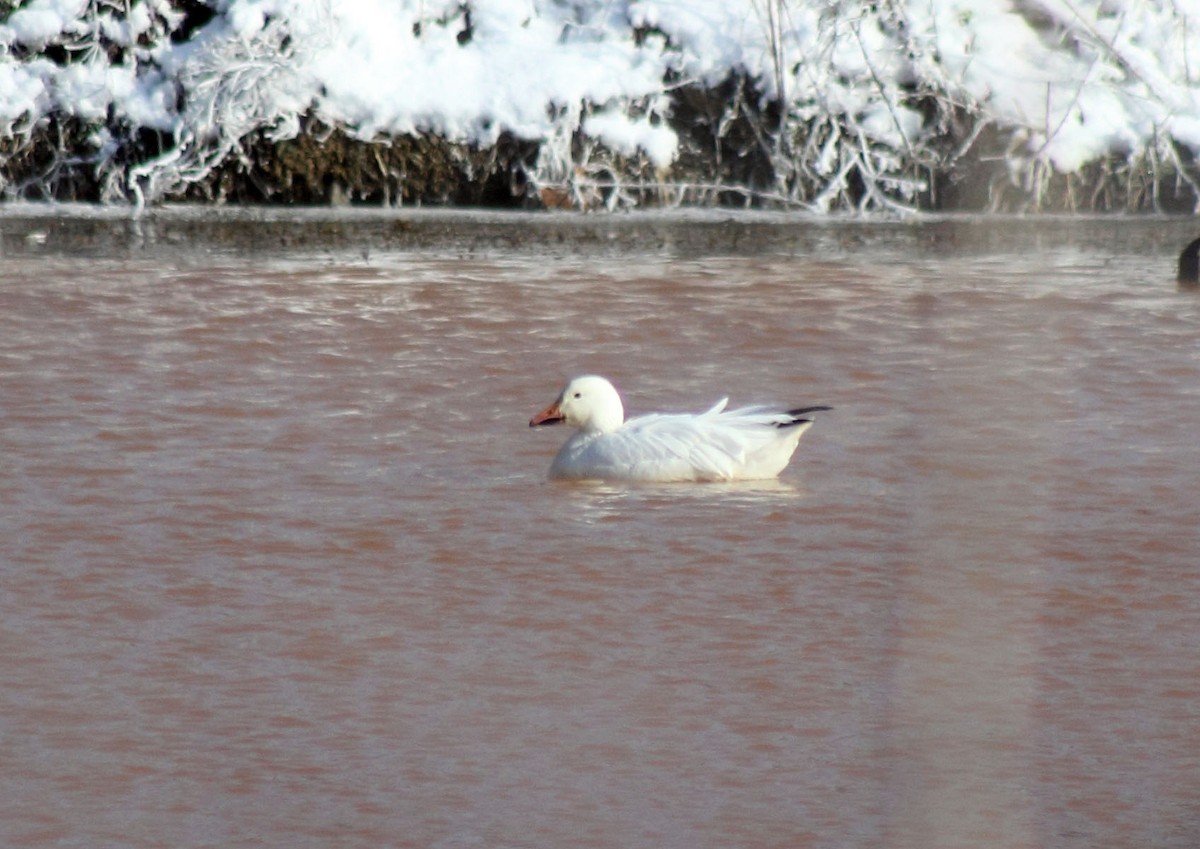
{"points": [[578, 394]]}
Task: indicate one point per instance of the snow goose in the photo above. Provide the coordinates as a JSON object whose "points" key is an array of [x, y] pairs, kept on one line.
{"points": [[750, 443]]}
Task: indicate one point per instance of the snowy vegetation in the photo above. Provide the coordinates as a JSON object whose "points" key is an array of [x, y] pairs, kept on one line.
{"points": [[816, 104]]}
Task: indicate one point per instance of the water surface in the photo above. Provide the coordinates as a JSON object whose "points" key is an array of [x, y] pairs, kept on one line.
{"points": [[281, 566]]}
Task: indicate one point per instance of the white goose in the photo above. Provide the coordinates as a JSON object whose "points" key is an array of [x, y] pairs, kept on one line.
{"points": [[751, 443]]}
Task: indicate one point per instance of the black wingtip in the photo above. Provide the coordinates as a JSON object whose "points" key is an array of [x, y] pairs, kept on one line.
{"points": [[800, 411], [1189, 265], [798, 416]]}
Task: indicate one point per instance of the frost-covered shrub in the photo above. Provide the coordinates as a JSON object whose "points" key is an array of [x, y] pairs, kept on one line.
{"points": [[64, 67], [820, 104]]}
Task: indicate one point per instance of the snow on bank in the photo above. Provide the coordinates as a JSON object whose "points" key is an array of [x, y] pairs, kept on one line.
{"points": [[1069, 80]]}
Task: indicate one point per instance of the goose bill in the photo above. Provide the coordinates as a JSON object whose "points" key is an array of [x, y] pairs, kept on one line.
{"points": [[549, 416]]}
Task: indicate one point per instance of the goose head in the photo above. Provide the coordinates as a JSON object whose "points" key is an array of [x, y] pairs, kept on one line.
{"points": [[589, 403]]}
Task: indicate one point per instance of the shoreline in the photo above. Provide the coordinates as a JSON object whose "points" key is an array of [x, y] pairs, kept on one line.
{"points": [[47, 229]]}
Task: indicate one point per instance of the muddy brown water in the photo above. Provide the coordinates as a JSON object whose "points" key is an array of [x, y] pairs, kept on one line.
{"points": [[281, 567]]}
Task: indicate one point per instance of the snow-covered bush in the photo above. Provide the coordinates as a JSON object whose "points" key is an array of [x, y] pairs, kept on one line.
{"points": [[820, 104]]}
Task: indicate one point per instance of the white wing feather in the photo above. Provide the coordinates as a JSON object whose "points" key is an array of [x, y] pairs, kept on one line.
{"points": [[714, 445]]}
